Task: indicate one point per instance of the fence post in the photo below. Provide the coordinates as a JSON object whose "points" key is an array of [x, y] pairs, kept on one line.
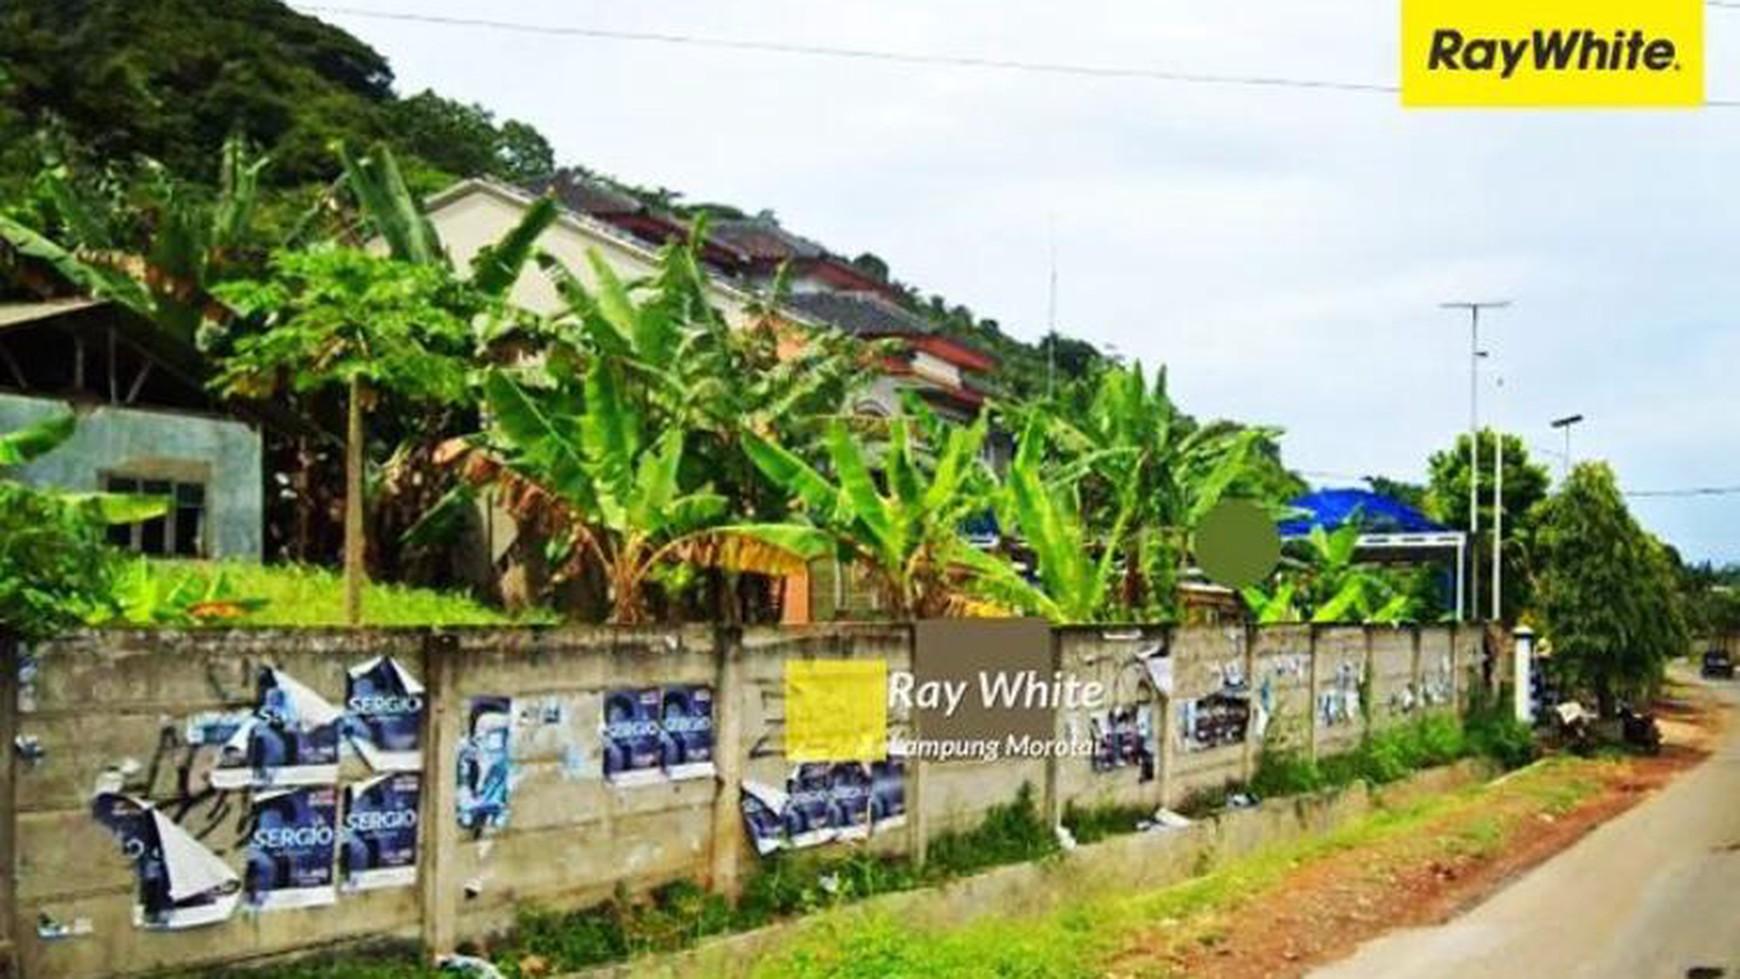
{"points": [[918, 774], [1368, 688], [1167, 752], [1051, 802], [9, 925], [438, 875], [1252, 746], [724, 874], [1311, 675]]}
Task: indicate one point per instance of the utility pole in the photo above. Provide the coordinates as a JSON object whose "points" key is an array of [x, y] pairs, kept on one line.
{"points": [[1498, 515], [1474, 309], [1564, 424], [1051, 318]]}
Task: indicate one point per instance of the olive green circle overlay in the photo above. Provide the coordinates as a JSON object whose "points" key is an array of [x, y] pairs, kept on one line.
{"points": [[1237, 544]]}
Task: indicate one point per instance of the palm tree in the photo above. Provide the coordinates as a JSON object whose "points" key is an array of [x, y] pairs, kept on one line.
{"points": [[1328, 585]]}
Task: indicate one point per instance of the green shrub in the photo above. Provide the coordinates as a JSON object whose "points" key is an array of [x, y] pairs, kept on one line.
{"points": [[1090, 824], [1010, 833], [55, 564], [1285, 771]]}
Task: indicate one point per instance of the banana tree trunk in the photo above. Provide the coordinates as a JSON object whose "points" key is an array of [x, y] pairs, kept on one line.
{"points": [[355, 572]]}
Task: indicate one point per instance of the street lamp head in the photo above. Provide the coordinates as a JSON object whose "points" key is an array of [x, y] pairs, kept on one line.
{"points": [[1567, 421]]}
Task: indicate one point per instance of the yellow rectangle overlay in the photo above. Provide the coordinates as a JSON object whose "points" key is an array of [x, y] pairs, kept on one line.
{"points": [[836, 710], [1551, 53]]}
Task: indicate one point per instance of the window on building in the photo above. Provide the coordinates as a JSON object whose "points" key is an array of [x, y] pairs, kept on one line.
{"points": [[178, 533]]}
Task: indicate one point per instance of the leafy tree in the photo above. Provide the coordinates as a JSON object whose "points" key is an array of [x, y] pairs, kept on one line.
{"points": [[1605, 591], [1412, 494], [464, 140], [1525, 486], [370, 324], [1712, 597]]}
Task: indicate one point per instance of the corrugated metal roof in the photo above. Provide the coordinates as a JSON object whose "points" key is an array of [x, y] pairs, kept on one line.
{"points": [[18, 314]]}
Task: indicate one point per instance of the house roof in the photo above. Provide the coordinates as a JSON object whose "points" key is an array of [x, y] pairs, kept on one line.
{"points": [[860, 313], [762, 239], [21, 313], [1373, 512], [587, 195]]}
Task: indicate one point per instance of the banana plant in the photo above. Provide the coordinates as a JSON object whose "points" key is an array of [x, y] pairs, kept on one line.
{"points": [[34, 441], [1327, 585], [1076, 562], [581, 460], [1155, 462], [902, 524], [193, 243]]}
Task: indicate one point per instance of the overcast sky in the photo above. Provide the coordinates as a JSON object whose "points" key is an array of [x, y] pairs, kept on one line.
{"points": [[1283, 252]]}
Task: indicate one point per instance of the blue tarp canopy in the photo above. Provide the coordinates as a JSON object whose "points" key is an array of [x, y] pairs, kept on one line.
{"points": [[1374, 513]]}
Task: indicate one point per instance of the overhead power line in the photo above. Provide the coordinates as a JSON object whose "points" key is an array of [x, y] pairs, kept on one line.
{"points": [[864, 54], [1691, 491], [904, 57]]}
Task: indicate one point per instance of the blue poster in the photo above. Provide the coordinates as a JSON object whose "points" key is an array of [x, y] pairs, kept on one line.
{"points": [[686, 724], [888, 794], [633, 736], [849, 788], [380, 832], [486, 765], [181, 883], [764, 817], [384, 715], [291, 848], [810, 811], [292, 739]]}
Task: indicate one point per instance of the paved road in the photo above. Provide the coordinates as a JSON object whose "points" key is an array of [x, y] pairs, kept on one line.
{"points": [[1654, 893]]}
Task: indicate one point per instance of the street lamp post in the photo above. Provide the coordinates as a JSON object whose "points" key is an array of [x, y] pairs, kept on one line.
{"points": [[1564, 424], [1497, 513], [1474, 354]]}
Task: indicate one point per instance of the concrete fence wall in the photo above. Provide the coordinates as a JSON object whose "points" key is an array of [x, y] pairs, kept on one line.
{"points": [[113, 710]]}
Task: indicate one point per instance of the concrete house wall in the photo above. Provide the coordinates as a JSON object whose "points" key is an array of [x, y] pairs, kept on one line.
{"points": [[221, 453]]}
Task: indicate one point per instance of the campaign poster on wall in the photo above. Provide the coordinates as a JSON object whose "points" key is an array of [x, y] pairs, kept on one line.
{"points": [[384, 715], [810, 810], [1215, 721], [764, 817], [181, 883], [292, 739], [686, 726], [634, 749], [379, 848], [292, 848], [887, 794], [849, 784], [485, 764]]}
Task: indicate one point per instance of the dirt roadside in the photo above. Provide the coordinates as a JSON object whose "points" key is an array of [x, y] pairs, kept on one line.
{"points": [[1323, 908]]}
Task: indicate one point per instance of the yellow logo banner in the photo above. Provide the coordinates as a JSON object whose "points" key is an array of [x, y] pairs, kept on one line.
{"points": [[1540, 53]]}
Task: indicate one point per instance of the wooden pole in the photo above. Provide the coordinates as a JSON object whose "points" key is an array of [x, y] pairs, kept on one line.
{"points": [[355, 573], [438, 876]]}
